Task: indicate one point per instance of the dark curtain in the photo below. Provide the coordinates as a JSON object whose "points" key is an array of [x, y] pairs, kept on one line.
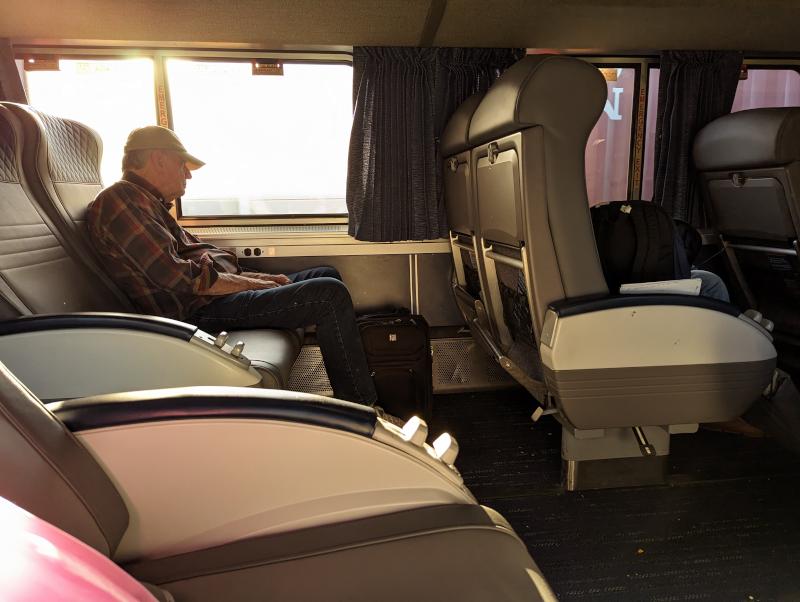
{"points": [[695, 87], [402, 100], [10, 83]]}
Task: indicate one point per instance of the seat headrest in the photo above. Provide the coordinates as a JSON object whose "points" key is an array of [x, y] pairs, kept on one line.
{"points": [[749, 139], [74, 149], [69, 151], [455, 137], [548, 90]]}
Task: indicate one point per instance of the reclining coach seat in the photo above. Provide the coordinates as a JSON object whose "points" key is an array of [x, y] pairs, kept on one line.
{"points": [[620, 369], [38, 271], [749, 164], [300, 497], [49, 264], [462, 217]]}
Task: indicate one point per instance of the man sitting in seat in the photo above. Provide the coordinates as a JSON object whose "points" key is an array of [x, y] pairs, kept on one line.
{"points": [[167, 271], [688, 243]]}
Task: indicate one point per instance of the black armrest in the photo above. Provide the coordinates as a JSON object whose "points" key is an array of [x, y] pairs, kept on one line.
{"points": [[121, 321], [584, 305], [189, 403]]}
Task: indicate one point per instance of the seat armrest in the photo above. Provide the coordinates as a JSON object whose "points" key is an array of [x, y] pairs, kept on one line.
{"points": [[78, 355], [649, 360], [106, 320], [250, 462], [585, 305], [191, 403]]}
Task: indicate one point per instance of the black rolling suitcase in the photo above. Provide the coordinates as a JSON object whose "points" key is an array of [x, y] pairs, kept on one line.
{"points": [[398, 350]]}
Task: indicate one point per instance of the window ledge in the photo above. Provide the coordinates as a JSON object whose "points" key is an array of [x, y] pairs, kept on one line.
{"points": [[317, 240]]}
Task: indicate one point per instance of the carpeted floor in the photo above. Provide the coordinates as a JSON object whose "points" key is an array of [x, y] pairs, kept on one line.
{"points": [[727, 527]]}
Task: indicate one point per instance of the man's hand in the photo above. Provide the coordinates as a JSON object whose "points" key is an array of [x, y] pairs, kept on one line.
{"points": [[279, 279], [227, 284]]}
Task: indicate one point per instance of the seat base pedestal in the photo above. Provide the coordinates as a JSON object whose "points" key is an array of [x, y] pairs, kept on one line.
{"points": [[612, 457], [579, 475]]}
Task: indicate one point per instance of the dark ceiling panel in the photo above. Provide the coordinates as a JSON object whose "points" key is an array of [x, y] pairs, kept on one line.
{"points": [[269, 23], [605, 25], [623, 24]]}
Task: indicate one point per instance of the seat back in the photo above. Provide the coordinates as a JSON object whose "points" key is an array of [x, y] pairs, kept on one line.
{"points": [[462, 214], [49, 473], [62, 161], [528, 136], [749, 166], [39, 272]]}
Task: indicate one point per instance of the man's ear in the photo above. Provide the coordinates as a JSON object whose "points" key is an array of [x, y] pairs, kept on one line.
{"points": [[157, 158]]}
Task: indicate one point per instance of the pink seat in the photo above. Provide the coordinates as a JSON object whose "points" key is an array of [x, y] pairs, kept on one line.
{"points": [[40, 562]]}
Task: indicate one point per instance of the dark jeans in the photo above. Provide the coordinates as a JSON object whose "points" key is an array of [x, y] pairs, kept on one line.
{"points": [[315, 297]]}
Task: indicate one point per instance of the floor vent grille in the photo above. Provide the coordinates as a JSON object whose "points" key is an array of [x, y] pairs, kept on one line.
{"points": [[308, 373], [460, 365]]}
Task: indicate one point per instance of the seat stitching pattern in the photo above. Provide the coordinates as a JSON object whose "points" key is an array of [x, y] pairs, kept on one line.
{"points": [[33, 264], [73, 154], [47, 245]]}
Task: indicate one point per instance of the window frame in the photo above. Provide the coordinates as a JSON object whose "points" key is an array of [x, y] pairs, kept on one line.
{"points": [[640, 63], [641, 66], [756, 63], [164, 117]]}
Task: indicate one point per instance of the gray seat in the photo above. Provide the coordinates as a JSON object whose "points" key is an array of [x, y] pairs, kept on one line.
{"points": [[74, 470], [608, 363], [462, 215], [484, 308], [749, 165], [38, 267], [50, 175]]}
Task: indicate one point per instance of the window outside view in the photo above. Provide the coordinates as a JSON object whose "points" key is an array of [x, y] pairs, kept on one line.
{"points": [[278, 144], [762, 88], [273, 144], [767, 88], [609, 145], [111, 96]]}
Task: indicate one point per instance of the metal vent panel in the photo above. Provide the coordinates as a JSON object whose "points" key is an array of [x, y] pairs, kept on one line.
{"points": [[461, 365], [308, 373]]}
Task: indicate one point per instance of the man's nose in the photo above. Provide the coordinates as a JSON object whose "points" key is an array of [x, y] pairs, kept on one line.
{"points": [[187, 172]]}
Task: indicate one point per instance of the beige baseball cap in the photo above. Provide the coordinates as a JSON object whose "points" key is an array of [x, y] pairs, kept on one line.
{"points": [[155, 137]]}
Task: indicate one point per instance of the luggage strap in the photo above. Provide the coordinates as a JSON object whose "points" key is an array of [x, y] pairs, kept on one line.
{"points": [[645, 224]]}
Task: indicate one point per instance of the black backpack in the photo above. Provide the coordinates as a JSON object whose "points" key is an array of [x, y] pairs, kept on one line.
{"points": [[638, 242]]}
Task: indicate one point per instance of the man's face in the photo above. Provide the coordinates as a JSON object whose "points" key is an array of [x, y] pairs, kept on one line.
{"points": [[173, 175]]}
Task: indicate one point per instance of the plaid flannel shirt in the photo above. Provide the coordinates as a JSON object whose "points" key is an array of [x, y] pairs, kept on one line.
{"points": [[162, 268]]}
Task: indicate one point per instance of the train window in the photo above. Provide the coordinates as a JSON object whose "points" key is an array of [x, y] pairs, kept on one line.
{"points": [[275, 144], [767, 88], [112, 96], [609, 146], [763, 87]]}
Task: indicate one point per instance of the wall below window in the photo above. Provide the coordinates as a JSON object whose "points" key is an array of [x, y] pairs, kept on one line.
{"points": [[418, 281]]}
